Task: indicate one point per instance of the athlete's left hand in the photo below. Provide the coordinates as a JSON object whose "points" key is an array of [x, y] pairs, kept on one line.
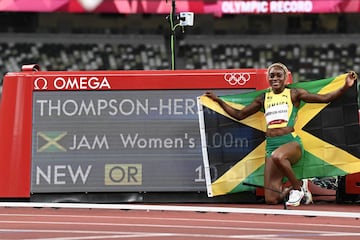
{"points": [[351, 78]]}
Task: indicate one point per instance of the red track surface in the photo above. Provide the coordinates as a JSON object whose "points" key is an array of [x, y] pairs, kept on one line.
{"points": [[67, 224]]}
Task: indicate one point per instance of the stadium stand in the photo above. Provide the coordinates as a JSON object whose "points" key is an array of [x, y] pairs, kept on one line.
{"points": [[306, 59]]}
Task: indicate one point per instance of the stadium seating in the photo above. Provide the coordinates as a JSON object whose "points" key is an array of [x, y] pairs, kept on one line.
{"points": [[308, 60]]}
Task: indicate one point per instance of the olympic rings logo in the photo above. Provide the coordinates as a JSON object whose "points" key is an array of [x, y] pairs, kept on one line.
{"points": [[237, 78]]}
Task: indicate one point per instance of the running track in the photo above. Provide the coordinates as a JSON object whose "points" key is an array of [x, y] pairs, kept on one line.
{"points": [[56, 221]]}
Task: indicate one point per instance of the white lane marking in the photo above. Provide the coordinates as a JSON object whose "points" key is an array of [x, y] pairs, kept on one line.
{"points": [[67, 216], [166, 226], [120, 234], [183, 208]]}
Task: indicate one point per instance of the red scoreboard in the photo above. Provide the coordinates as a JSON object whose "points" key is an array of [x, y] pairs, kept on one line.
{"points": [[107, 131]]}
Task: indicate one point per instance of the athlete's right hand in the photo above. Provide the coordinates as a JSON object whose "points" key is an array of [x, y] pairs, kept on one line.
{"points": [[212, 95]]}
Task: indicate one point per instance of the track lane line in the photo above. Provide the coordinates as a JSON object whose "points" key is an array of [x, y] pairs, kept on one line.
{"points": [[184, 208]]}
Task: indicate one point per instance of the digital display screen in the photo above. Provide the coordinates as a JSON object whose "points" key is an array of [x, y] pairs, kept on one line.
{"points": [[117, 141]]}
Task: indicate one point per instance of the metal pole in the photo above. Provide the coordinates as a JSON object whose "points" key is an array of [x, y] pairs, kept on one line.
{"points": [[172, 20]]}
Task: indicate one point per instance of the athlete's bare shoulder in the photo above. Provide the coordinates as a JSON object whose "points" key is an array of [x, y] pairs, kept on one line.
{"points": [[296, 95]]}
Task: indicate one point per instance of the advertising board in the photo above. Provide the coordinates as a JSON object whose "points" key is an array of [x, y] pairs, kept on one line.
{"points": [[215, 7]]}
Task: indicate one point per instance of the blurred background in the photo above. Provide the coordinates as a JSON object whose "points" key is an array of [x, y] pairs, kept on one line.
{"points": [[314, 38]]}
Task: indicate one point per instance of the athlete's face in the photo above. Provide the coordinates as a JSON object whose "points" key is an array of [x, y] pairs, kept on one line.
{"points": [[277, 79]]}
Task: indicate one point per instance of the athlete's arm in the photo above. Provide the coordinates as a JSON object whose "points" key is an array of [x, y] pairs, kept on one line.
{"points": [[248, 110], [328, 97]]}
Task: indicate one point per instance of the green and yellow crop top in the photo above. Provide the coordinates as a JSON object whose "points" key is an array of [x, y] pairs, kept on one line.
{"points": [[279, 109]]}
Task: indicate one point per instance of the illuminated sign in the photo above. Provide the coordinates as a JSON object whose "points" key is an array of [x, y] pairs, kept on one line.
{"points": [[216, 7], [136, 140], [109, 131], [233, 7]]}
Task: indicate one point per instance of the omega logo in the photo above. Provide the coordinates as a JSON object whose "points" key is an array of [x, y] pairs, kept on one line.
{"points": [[40, 83], [73, 83], [81, 83]]}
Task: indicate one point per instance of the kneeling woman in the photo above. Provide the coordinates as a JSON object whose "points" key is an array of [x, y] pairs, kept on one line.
{"points": [[283, 147]]}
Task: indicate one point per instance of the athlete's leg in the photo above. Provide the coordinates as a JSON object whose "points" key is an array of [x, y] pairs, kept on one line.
{"points": [[273, 177], [284, 157]]}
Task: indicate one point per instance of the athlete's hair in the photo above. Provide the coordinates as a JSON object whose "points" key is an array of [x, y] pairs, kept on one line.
{"points": [[279, 65]]}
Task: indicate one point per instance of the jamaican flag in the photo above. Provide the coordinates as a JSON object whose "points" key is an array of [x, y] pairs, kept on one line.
{"points": [[234, 151]]}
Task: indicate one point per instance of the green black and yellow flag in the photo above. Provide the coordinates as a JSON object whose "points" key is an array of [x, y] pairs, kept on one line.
{"points": [[234, 151]]}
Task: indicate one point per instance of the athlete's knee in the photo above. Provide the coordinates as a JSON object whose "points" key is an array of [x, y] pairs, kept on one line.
{"points": [[275, 158]]}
